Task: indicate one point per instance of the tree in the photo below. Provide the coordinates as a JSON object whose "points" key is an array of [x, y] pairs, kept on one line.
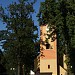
{"points": [[2, 64], [19, 44], [60, 15]]}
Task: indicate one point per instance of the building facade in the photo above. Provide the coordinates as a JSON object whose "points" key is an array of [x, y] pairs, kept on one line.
{"points": [[46, 63]]}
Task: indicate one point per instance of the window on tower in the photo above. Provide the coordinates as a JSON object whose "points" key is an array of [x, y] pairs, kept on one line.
{"points": [[48, 66], [47, 46]]}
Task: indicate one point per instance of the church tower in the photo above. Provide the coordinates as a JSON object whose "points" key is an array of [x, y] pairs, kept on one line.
{"points": [[48, 53], [46, 61]]}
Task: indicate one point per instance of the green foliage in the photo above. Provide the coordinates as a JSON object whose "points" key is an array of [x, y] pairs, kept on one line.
{"points": [[20, 36], [2, 63], [60, 15]]}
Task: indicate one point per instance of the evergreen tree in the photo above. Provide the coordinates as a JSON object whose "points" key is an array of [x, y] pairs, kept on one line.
{"points": [[60, 15], [2, 64], [20, 36]]}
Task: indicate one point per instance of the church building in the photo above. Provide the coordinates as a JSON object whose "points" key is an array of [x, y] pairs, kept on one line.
{"points": [[47, 62]]}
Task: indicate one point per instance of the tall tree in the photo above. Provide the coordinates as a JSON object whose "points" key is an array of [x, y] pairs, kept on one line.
{"points": [[2, 64], [21, 36], [60, 15]]}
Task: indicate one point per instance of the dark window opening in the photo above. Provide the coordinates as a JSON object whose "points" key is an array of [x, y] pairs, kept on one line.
{"points": [[47, 46], [48, 66]]}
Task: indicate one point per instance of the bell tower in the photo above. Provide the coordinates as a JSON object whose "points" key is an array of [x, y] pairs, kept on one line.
{"points": [[48, 52], [46, 62]]}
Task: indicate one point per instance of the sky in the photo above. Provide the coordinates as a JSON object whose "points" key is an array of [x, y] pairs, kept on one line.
{"points": [[5, 3]]}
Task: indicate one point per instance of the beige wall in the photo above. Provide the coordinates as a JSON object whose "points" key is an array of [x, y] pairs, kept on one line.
{"points": [[62, 71], [44, 66]]}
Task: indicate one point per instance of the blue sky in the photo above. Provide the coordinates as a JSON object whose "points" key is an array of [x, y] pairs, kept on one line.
{"points": [[5, 3]]}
